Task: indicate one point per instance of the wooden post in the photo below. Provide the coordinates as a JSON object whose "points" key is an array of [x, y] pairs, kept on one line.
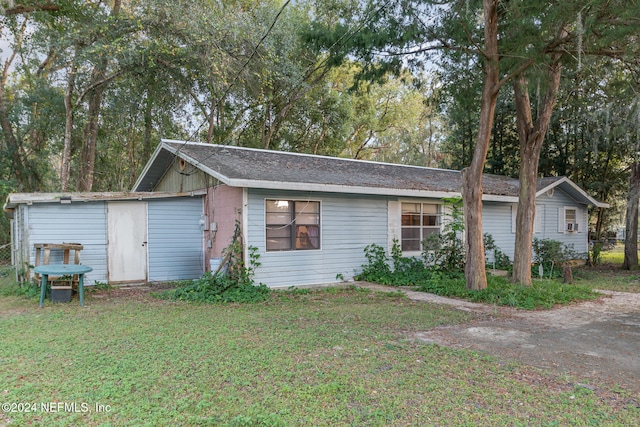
{"points": [[567, 274]]}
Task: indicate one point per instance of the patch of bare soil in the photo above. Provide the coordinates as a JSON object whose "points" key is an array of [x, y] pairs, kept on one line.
{"points": [[135, 292], [596, 342]]}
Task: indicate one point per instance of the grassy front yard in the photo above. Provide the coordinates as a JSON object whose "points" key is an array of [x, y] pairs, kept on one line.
{"points": [[330, 357]]}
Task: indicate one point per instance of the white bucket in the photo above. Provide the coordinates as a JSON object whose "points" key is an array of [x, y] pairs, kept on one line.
{"points": [[214, 264]]}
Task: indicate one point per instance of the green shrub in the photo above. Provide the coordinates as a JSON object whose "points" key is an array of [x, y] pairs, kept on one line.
{"points": [[377, 268], [500, 259], [551, 255], [237, 285], [407, 271], [25, 289]]}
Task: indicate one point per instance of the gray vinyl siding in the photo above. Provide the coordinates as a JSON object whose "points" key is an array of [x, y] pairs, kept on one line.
{"points": [[496, 220], [83, 223], [175, 248], [348, 223], [550, 207], [175, 243]]}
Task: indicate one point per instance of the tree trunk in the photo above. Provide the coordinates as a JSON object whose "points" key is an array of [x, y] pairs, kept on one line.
{"points": [[567, 274], [11, 143], [65, 166], [88, 155], [631, 236], [90, 140], [474, 269], [147, 143], [531, 136]]}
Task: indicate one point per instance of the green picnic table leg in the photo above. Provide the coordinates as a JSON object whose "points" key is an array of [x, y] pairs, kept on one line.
{"points": [[43, 289], [81, 289]]}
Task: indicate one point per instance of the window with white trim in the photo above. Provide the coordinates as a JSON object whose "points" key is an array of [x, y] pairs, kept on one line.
{"points": [[292, 225], [419, 220], [571, 219]]}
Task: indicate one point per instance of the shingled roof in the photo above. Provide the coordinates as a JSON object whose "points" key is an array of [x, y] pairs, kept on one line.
{"points": [[254, 168]]}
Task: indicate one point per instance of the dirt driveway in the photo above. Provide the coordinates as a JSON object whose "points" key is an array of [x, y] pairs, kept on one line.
{"points": [[597, 342]]}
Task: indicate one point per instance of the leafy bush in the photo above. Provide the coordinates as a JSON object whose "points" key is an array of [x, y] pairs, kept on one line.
{"points": [[500, 259], [549, 254], [25, 289], [596, 253], [237, 285], [547, 251], [377, 268], [406, 270]]}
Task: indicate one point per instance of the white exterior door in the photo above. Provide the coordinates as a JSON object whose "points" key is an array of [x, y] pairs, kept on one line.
{"points": [[127, 246]]}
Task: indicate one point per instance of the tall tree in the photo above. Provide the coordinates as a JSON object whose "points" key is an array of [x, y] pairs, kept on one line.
{"points": [[531, 134], [607, 20], [630, 261], [474, 269]]}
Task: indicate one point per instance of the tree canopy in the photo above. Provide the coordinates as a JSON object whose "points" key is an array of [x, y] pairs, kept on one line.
{"points": [[89, 87]]}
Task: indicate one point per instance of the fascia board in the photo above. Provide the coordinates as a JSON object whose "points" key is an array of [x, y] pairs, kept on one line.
{"points": [[333, 188], [148, 166]]}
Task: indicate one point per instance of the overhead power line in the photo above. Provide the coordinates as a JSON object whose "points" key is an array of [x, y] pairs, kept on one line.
{"points": [[338, 44]]}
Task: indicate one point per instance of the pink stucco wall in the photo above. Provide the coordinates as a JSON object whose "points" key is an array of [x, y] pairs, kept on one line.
{"points": [[224, 207]]}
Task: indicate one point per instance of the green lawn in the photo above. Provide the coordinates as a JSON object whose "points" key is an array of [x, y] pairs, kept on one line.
{"points": [[337, 357], [608, 275]]}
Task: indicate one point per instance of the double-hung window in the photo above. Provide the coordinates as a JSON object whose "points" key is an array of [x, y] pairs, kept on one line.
{"points": [[419, 220], [292, 225], [570, 219]]}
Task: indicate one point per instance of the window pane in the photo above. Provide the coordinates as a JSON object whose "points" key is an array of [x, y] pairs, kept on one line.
{"points": [[278, 212], [307, 213], [411, 245], [307, 208], [281, 207], [278, 218], [307, 237], [431, 220], [429, 209], [411, 239], [410, 219], [410, 208], [570, 215], [279, 238], [411, 233], [430, 230], [307, 218]]}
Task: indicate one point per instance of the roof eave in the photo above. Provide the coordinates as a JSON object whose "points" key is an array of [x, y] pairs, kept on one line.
{"points": [[334, 188], [148, 166], [16, 199]]}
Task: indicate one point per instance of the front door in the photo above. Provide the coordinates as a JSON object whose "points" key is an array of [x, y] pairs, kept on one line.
{"points": [[127, 247]]}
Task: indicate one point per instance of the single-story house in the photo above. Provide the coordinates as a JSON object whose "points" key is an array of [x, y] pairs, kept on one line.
{"points": [[310, 217], [125, 237]]}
